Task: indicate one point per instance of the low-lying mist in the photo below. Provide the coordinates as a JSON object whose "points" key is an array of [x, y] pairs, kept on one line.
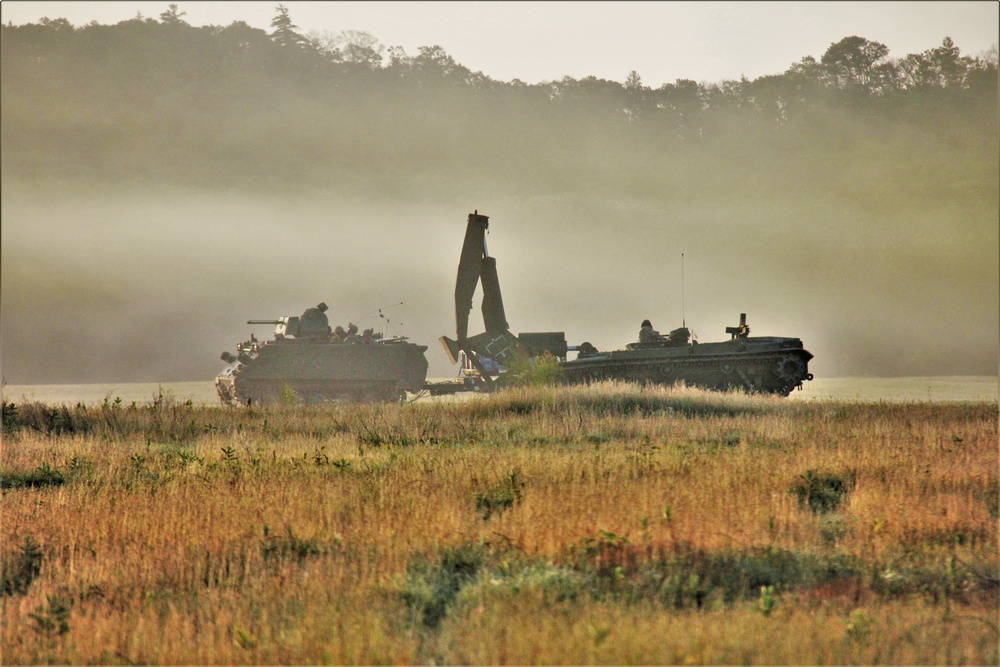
{"points": [[154, 286]]}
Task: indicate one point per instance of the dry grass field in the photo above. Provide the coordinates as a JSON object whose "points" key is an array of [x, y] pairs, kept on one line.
{"points": [[609, 524]]}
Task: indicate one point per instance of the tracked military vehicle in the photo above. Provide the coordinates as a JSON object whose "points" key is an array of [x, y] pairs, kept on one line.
{"points": [[766, 364], [307, 362]]}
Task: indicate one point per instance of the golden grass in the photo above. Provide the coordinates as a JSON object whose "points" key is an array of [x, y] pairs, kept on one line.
{"points": [[175, 534]]}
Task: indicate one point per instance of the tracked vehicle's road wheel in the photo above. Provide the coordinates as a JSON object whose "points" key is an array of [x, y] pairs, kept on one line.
{"points": [[790, 369]]}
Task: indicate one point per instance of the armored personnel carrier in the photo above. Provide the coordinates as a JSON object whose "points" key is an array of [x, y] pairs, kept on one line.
{"points": [[766, 364], [762, 364], [308, 362]]}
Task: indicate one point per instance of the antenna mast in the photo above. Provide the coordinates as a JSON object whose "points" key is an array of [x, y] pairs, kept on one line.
{"points": [[683, 322]]}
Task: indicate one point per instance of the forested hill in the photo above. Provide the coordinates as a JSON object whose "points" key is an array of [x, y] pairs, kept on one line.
{"points": [[160, 101]]}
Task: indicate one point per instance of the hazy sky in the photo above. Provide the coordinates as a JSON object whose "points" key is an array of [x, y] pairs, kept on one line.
{"points": [[539, 41]]}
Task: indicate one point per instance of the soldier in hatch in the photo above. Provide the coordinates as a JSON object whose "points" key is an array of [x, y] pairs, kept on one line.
{"points": [[314, 322], [647, 334]]}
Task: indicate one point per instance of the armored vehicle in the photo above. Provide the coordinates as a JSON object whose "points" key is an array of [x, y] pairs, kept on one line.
{"points": [[307, 362], [766, 364]]}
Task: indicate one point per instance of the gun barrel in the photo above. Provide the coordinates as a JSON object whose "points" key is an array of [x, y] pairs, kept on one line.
{"points": [[263, 321]]}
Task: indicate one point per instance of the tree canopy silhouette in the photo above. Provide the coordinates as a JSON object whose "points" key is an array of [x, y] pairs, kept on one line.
{"points": [[234, 106]]}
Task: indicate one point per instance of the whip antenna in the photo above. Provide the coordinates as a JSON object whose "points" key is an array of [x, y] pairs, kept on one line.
{"points": [[683, 322]]}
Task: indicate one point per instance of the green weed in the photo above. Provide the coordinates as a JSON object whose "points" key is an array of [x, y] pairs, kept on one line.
{"points": [[500, 497], [767, 600], [431, 586], [821, 492], [52, 618], [44, 475], [288, 546], [20, 568]]}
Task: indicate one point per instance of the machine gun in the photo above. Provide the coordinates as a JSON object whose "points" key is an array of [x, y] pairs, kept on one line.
{"points": [[284, 326], [742, 331]]}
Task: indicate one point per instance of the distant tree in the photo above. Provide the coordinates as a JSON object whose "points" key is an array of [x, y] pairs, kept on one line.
{"points": [[56, 24], [634, 97], [942, 67], [172, 16], [950, 65], [360, 48], [325, 43], [856, 63], [982, 73], [917, 71], [633, 81], [284, 32], [992, 55], [398, 58], [238, 39], [682, 97], [435, 60], [432, 66], [807, 69], [770, 97]]}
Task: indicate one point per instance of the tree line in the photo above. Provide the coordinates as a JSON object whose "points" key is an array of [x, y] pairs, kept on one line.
{"points": [[222, 106]]}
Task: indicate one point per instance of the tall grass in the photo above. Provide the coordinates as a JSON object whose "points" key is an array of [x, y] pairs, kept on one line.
{"points": [[602, 524]]}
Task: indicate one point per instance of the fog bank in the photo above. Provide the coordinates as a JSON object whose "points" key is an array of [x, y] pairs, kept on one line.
{"points": [[154, 287]]}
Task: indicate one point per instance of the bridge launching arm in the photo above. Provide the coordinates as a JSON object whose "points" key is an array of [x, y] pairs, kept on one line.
{"points": [[476, 265], [497, 343], [469, 267]]}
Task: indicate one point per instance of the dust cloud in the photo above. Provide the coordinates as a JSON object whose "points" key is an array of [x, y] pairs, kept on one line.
{"points": [[153, 287]]}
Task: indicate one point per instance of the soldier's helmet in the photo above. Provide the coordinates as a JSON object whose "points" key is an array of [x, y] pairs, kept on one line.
{"points": [[322, 306], [352, 328], [339, 330], [646, 323]]}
